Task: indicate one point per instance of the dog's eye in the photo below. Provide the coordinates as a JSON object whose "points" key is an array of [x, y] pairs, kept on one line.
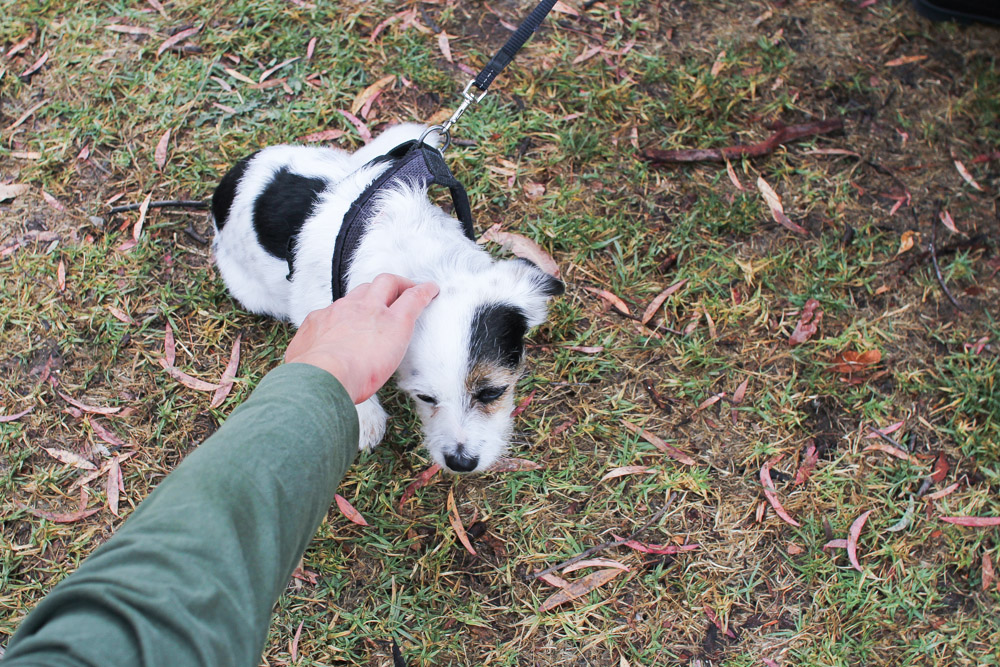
{"points": [[430, 400], [490, 394]]}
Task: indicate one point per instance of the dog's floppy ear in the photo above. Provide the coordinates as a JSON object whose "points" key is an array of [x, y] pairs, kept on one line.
{"points": [[531, 288]]}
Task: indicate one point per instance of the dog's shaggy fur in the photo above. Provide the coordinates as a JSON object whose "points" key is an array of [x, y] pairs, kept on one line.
{"points": [[288, 202]]}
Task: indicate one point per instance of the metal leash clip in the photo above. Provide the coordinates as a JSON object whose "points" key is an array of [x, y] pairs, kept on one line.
{"points": [[469, 99]]}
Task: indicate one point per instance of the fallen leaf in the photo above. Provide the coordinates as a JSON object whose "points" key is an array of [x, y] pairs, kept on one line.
{"points": [[187, 380], [53, 202], [370, 92], [421, 480], [104, 434], [794, 549], [888, 430], [849, 361], [720, 62], [732, 176], [169, 346], [514, 465], [88, 408], [907, 240], [585, 349], [120, 315], [61, 276], [613, 300], [888, 449], [271, 70], [741, 391], [456, 523], [14, 417], [852, 540], [359, 125], [714, 620], [26, 115], [660, 549], [658, 442], [654, 305], [143, 208], [579, 587], [587, 54], [626, 470], [532, 190], [310, 48], [22, 44], [176, 39], [553, 580], [523, 247], [973, 521], [155, 4], [70, 458], [444, 46], [564, 8], [69, 517], [987, 572], [595, 562], [808, 323], [836, 544], [35, 66], [9, 191], [160, 154], [523, 405], [809, 462], [130, 29], [348, 510], [946, 491], [772, 495], [238, 76], [293, 646], [228, 375], [774, 204], [111, 489], [948, 222], [904, 521], [708, 402], [905, 60], [323, 135], [966, 176]]}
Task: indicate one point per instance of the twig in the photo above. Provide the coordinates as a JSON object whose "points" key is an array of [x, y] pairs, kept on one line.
{"points": [[937, 269], [165, 203], [782, 136], [610, 543]]}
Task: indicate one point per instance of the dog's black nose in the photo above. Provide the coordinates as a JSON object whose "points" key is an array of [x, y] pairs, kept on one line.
{"points": [[461, 462]]}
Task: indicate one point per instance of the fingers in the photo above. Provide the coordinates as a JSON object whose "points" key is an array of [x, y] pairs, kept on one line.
{"points": [[387, 287], [413, 300]]}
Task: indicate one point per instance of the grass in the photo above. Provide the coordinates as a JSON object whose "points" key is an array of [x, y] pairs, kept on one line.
{"points": [[611, 220]]}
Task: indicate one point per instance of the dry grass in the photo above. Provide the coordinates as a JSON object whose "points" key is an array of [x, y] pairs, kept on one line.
{"points": [[611, 221]]}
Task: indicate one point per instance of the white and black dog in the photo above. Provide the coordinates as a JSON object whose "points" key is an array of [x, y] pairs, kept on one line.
{"points": [[277, 214]]}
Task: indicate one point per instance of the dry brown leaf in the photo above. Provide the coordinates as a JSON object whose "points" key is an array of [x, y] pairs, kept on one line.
{"points": [[22, 44], [271, 70], [657, 302], [849, 361], [579, 587], [852, 540], [888, 449], [661, 549], [585, 349], [239, 76], [808, 323], [809, 462], [130, 29], [61, 276], [176, 39], [612, 299], [949, 222], [143, 208], [888, 430], [155, 4], [553, 580], [310, 48], [456, 523], [533, 191], [112, 487], [445, 46], [907, 241], [160, 154], [964, 173], [514, 465], [987, 572], [732, 176], [348, 510], [322, 135], [774, 204], [370, 92], [228, 375], [523, 247], [708, 402], [421, 480], [946, 491], [14, 417], [53, 202], [104, 434], [658, 442], [741, 391], [595, 562], [70, 458], [120, 315], [719, 64], [88, 408], [772, 495], [627, 470], [565, 8], [9, 191], [587, 54], [905, 60], [35, 66], [69, 517], [187, 380]]}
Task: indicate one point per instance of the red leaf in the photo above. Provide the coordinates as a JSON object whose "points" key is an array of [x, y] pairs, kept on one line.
{"points": [[626, 470], [187, 380], [948, 222], [514, 465], [37, 65], [160, 154], [88, 408], [660, 549], [888, 449], [104, 434], [323, 135], [456, 523], [69, 517], [656, 303], [120, 315], [973, 521], [836, 544], [421, 480], [946, 491], [772, 495], [348, 510], [774, 204], [13, 418], [658, 442], [579, 587], [169, 347], [359, 125], [852, 540], [941, 468], [612, 300], [740, 391], [176, 39], [70, 458], [293, 647], [888, 430], [809, 462], [521, 246], [21, 45], [712, 400], [310, 48], [112, 488], [808, 323], [523, 404], [715, 619], [228, 375]]}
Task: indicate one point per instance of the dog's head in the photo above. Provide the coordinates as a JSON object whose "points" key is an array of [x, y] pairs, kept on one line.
{"points": [[466, 355]]}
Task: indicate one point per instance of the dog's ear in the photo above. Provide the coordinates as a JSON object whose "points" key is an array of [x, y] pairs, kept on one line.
{"points": [[531, 288]]}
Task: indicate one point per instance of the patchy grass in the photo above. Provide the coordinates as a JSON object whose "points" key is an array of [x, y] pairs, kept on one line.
{"points": [[612, 221]]}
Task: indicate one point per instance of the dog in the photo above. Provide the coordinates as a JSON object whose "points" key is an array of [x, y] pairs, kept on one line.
{"points": [[277, 214]]}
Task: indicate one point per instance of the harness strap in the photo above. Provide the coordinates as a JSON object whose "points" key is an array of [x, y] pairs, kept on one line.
{"points": [[414, 163], [513, 45]]}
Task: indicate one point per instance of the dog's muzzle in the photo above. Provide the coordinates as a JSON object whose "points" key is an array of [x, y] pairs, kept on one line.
{"points": [[460, 461]]}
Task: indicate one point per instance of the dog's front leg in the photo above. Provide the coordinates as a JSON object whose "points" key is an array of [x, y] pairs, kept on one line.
{"points": [[371, 420]]}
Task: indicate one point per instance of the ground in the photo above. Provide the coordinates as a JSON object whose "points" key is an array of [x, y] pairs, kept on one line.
{"points": [[556, 153]]}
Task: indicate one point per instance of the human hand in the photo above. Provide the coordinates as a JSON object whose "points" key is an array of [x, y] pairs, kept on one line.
{"points": [[361, 338]]}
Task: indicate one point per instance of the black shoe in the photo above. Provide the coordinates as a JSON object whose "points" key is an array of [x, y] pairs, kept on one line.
{"points": [[965, 11]]}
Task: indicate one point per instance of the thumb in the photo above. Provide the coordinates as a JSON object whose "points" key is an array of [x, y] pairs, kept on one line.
{"points": [[412, 301]]}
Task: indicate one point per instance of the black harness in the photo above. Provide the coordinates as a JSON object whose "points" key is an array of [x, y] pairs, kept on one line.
{"points": [[413, 163]]}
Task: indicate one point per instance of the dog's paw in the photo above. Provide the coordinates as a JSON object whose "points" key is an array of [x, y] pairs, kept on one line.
{"points": [[371, 420]]}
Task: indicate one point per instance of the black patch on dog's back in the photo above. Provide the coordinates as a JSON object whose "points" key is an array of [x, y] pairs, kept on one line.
{"points": [[498, 334], [222, 198], [280, 210]]}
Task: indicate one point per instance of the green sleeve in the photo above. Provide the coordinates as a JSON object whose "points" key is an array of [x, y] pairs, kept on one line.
{"points": [[191, 577]]}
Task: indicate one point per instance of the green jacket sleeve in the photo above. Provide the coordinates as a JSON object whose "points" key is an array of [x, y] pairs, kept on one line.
{"points": [[191, 577]]}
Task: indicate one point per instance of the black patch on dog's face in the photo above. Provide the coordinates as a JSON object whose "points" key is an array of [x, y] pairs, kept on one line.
{"points": [[281, 209], [222, 198], [497, 335]]}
